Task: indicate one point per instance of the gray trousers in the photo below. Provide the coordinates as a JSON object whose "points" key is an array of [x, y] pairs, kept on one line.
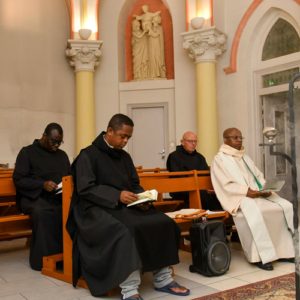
{"points": [[129, 286]]}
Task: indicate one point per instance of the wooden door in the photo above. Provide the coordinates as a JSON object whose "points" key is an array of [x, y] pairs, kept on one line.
{"points": [[148, 146]]}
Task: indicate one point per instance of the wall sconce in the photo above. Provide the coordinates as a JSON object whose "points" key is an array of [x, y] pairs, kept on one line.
{"points": [[84, 33], [199, 14], [197, 22], [84, 19], [270, 133]]}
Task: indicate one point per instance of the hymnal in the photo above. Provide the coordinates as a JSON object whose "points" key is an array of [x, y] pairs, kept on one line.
{"points": [[150, 195]]}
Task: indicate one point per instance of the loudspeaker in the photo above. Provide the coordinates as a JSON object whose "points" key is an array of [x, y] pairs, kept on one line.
{"points": [[210, 254]]}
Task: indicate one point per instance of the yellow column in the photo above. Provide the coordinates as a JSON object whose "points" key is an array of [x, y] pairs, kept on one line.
{"points": [[207, 116], [84, 57], [203, 46], [85, 109]]}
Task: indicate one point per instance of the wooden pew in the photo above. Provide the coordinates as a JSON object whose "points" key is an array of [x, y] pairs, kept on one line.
{"points": [[13, 224], [150, 170], [163, 182], [171, 182], [189, 181], [50, 263]]}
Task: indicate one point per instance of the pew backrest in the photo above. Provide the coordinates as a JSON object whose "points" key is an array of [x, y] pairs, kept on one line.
{"points": [[13, 224], [170, 182], [7, 187]]}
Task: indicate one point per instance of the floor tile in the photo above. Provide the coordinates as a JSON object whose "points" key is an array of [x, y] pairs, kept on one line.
{"points": [[13, 297], [19, 282], [227, 284]]}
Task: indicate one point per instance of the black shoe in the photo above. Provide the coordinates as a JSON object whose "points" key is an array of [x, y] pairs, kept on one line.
{"points": [[268, 266], [291, 260]]}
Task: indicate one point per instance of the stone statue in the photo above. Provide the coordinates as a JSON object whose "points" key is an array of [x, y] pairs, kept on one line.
{"points": [[157, 66], [140, 54], [148, 46]]}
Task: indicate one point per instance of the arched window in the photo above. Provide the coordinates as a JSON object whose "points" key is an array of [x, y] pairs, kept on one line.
{"points": [[281, 40]]}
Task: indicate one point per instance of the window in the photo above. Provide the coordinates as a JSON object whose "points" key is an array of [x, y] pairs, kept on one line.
{"points": [[281, 40]]}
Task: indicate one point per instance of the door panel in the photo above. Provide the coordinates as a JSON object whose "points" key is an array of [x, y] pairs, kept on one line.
{"points": [[148, 146]]}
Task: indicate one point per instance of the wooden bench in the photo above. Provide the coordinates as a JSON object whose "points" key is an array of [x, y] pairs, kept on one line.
{"points": [[13, 224], [50, 263], [163, 182], [172, 182], [189, 181]]}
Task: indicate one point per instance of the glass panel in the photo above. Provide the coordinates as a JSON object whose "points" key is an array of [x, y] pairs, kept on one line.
{"points": [[278, 77], [280, 139], [281, 40]]}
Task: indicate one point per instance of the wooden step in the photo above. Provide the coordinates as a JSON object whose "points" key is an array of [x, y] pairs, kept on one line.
{"points": [[8, 203], [13, 218], [15, 226], [15, 234]]}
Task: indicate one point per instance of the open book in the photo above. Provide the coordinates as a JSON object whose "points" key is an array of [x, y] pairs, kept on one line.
{"points": [[150, 195], [58, 190], [273, 185]]}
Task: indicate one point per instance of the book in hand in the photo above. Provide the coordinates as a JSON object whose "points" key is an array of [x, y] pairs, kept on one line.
{"points": [[146, 196], [58, 189], [273, 185]]}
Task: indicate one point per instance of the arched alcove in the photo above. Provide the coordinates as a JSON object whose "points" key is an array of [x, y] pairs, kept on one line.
{"points": [[130, 9]]}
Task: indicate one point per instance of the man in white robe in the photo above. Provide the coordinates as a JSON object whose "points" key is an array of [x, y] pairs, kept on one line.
{"points": [[264, 221]]}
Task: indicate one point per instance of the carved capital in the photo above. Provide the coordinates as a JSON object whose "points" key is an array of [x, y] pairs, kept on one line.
{"points": [[204, 44], [84, 55]]}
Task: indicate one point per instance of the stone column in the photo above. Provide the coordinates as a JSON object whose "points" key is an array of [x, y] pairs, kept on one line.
{"points": [[203, 46], [84, 56]]}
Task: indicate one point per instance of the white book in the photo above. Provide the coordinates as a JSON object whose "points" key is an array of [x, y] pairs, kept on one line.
{"points": [[273, 185], [146, 196], [58, 189]]}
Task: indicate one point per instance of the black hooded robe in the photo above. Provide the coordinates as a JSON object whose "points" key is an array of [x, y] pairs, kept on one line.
{"points": [[110, 241], [181, 160], [34, 166]]}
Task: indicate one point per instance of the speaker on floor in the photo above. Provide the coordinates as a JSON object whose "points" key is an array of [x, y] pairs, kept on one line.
{"points": [[210, 253]]}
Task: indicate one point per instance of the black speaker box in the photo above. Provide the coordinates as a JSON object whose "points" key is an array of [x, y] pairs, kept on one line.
{"points": [[210, 253]]}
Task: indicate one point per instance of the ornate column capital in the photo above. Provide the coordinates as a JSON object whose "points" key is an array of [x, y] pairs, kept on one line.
{"points": [[84, 55], [204, 44]]}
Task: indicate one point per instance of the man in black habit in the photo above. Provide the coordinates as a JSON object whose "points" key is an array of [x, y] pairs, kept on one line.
{"points": [[187, 158], [38, 171], [113, 243]]}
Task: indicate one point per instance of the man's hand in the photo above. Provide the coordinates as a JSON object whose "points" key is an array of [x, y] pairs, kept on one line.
{"points": [[257, 194], [49, 186], [127, 197]]}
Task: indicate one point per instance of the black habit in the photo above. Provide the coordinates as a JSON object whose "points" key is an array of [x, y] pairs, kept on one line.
{"points": [[34, 166], [110, 241], [181, 160]]}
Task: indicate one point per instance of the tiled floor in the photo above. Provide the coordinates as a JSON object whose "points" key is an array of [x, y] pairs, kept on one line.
{"points": [[19, 282]]}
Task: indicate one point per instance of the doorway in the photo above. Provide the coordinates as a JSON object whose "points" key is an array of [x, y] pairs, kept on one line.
{"points": [[148, 146], [275, 114]]}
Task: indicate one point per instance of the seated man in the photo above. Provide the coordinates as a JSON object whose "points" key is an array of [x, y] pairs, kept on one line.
{"points": [[112, 243], [264, 221], [186, 158], [39, 169]]}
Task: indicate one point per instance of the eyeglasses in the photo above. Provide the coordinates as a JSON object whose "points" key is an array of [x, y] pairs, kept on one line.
{"points": [[191, 141], [55, 142], [235, 137]]}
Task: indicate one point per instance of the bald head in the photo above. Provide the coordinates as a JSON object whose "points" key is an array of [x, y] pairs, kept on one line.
{"points": [[233, 138], [189, 141]]}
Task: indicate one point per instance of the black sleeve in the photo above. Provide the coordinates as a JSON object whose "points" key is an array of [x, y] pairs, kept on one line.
{"points": [[25, 182], [173, 163]]}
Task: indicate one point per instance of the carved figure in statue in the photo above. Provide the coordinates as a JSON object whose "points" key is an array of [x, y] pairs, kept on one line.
{"points": [[140, 54], [156, 49], [146, 18], [148, 46]]}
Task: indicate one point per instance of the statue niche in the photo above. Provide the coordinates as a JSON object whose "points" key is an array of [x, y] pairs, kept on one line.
{"points": [[148, 46]]}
